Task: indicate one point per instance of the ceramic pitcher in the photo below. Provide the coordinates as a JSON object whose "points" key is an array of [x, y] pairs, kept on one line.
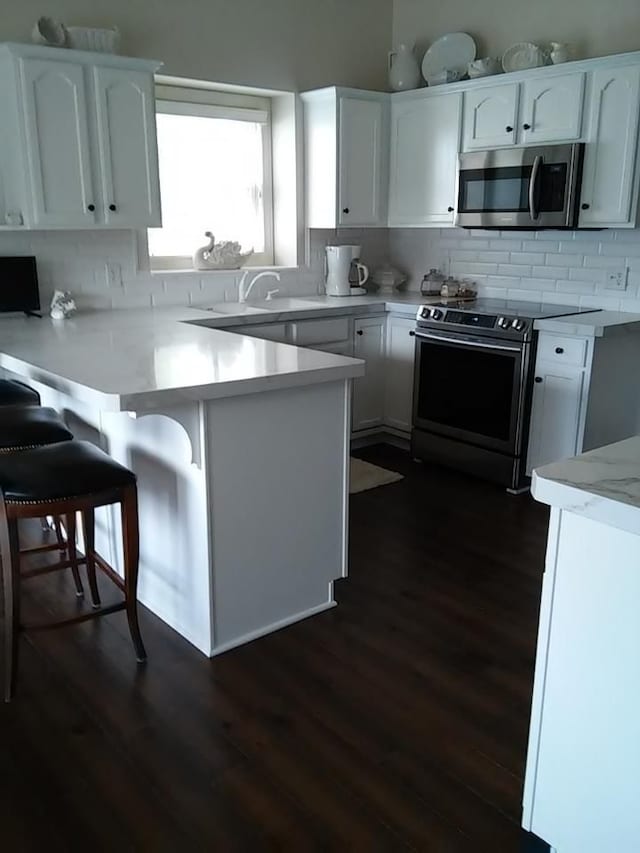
{"points": [[404, 72]]}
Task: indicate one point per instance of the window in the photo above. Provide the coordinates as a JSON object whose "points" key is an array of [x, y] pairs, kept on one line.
{"points": [[215, 175]]}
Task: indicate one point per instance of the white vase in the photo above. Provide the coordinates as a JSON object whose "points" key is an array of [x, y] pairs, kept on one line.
{"points": [[404, 72]]}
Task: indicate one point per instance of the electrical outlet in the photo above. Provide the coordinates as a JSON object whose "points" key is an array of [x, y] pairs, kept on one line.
{"points": [[616, 279], [113, 274]]}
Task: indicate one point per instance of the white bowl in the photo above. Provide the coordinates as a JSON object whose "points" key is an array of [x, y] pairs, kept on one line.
{"points": [[524, 55], [484, 67], [446, 76]]}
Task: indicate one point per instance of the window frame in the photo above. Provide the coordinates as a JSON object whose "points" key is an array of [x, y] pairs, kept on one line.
{"points": [[212, 104]]}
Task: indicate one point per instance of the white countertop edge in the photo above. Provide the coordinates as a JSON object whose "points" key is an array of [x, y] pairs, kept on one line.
{"points": [[576, 500], [596, 325]]}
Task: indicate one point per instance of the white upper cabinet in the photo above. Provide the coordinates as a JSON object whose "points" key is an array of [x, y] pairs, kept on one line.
{"points": [[56, 134], [346, 158], [610, 180], [128, 148], [425, 138], [360, 166], [490, 116], [551, 109], [78, 139], [543, 109]]}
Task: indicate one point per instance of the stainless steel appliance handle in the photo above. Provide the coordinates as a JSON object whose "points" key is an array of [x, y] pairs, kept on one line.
{"points": [[533, 185], [467, 342]]}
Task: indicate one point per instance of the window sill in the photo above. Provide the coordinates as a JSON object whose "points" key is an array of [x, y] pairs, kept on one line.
{"points": [[192, 271]]}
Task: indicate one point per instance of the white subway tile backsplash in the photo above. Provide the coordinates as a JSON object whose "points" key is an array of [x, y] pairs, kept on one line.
{"points": [[565, 267]]}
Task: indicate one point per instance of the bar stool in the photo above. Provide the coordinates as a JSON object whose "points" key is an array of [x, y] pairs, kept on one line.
{"points": [[66, 478], [14, 393]]}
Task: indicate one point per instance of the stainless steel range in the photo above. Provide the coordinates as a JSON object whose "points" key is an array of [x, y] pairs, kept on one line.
{"points": [[473, 385]]}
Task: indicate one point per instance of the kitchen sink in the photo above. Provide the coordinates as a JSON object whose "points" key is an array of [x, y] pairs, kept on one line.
{"points": [[235, 308], [285, 304]]}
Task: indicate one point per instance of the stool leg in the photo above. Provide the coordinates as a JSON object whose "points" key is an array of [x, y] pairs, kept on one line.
{"points": [[10, 553], [131, 548], [88, 524], [70, 519], [59, 537]]}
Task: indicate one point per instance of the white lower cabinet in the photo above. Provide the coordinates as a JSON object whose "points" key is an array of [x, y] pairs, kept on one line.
{"points": [[399, 360], [555, 414], [582, 397], [368, 390]]}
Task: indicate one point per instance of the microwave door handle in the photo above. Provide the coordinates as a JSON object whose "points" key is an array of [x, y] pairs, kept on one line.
{"points": [[533, 187]]}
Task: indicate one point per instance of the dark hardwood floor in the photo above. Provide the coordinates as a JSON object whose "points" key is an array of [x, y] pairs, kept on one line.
{"points": [[396, 721]]}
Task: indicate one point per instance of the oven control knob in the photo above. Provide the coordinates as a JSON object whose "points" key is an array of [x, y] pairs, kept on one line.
{"points": [[518, 325], [436, 314], [504, 322]]}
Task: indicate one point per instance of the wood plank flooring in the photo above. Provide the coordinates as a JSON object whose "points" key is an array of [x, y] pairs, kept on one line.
{"points": [[396, 721]]}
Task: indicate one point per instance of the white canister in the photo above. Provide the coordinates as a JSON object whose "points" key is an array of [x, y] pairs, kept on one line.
{"points": [[404, 71]]}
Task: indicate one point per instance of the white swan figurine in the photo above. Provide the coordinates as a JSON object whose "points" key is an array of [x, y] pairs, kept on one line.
{"points": [[227, 255]]}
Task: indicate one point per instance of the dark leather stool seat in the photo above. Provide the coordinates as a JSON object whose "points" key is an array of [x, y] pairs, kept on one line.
{"points": [[60, 471], [65, 479], [23, 427], [14, 393]]}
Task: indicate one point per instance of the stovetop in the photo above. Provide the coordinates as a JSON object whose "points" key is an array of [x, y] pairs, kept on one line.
{"points": [[512, 308], [496, 318]]}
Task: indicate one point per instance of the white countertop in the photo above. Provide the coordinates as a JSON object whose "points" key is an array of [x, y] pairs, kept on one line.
{"points": [[142, 359], [593, 325], [603, 484]]}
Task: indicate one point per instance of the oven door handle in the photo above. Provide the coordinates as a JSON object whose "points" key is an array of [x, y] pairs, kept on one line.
{"points": [[533, 187], [467, 342]]}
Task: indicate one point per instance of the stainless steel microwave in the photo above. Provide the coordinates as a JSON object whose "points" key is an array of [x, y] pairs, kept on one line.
{"points": [[530, 188]]}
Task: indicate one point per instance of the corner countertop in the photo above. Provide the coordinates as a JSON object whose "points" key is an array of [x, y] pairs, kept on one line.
{"points": [[594, 325], [603, 484], [144, 359]]}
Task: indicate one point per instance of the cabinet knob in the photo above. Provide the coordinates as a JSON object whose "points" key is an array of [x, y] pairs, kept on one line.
{"points": [[509, 129], [559, 350], [112, 207], [538, 379], [585, 206], [412, 334], [359, 332], [345, 210], [91, 207], [526, 127], [450, 209]]}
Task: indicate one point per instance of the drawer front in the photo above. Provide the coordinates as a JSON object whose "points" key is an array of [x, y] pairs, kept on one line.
{"points": [[558, 349], [270, 332], [309, 332]]}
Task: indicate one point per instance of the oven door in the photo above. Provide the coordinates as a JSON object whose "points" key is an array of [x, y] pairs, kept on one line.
{"points": [[471, 389], [520, 187]]}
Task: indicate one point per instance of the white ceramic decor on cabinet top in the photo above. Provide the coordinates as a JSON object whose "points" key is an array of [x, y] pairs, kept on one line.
{"points": [[78, 139], [425, 137], [610, 177]]}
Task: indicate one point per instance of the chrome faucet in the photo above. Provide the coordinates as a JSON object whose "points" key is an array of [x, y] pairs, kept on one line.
{"points": [[245, 289]]}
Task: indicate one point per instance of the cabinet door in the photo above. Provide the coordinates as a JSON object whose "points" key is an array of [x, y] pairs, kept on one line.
{"points": [[360, 162], [400, 352], [368, 390], [490, 116], [551, 109], [425, 139], [609, 182], [555, 415], [57, 143], [126, 124]]}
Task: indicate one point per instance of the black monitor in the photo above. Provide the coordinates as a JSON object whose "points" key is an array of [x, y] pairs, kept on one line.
{"points": [[19, 285]]}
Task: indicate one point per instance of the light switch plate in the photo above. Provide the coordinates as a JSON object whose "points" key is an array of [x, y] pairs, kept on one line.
{"points": [[616, 279]]}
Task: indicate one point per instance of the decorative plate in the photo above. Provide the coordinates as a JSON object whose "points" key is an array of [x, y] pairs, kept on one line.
{"points": [[523, 55], [452, 52]]}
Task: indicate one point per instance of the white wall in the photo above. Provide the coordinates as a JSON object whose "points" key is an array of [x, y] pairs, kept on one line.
{"points": [[282, 44], [596, 28], [566, 267]]}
